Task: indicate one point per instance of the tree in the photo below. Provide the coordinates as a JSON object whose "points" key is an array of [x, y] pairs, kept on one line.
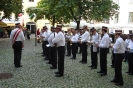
{"points": [[64, 11], [11, 6]]}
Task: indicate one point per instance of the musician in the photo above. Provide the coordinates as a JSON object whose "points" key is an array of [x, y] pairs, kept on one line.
{"points": [[127, 43], [52, 49], [45, 36], [74, 41], [17, 40], [84, 41], [59, 41], [79, 38], [130, 56], [119, 50], [104, 45], [68, 37], [94, 42]]}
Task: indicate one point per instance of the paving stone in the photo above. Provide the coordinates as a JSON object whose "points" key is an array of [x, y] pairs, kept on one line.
{"points": [[35, 73]]}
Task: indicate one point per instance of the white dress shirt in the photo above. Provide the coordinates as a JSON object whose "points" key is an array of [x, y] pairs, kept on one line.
{"points": [[59, 39], [46, 35], [74, 38], [85, 37], [105, 41], [119, 46], [95, 39], [51, 37], [20, 36], [130, 46]]}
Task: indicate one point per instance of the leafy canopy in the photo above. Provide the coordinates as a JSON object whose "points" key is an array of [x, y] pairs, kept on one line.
{"points": [[64, 11], [11, 6]]}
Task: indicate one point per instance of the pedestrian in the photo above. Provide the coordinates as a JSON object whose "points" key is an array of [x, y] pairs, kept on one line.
{"points": [[104, 45], [119, 50], [17, 40], [74, 42], [94, 42], [52, 49], [28, 34], [59, 41], [130, 56], [84, 41]]}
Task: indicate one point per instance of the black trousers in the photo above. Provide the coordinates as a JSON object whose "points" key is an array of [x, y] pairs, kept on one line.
{"points": [[103, 60], [93, 57], [130, 62], [53, 56], [126, 55], [118, 67], [84, 52], [61, 55], [113, 58], [17, 46], [74, 49], [79, 45], [45, 49], [28, 36], [68, 48]]}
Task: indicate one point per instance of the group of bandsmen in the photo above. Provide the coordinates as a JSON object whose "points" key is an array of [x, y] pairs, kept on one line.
{"points": [[53, 44]]}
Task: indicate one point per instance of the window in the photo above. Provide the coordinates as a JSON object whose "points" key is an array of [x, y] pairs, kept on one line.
{"points": [[116, 19], [31, 0], [130, 19]]}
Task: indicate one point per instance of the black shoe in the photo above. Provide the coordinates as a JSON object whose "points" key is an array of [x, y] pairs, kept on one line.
{"points": [[119, 84], [58, 75], [56, 72], [100, 71], [115, 81], [103, 74], [53, 67], [130, 73], [94, 68], [18, 66], [48, 63]]}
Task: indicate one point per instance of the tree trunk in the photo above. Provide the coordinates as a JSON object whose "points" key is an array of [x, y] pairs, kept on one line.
{"points": [[78, 25], [53, 22]]}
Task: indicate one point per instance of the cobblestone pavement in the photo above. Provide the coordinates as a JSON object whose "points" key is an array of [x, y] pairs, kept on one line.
{"points": [[35, 73]]}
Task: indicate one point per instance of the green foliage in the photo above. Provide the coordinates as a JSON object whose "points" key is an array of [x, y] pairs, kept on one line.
{"points": [[64, 11], [11, 6]]}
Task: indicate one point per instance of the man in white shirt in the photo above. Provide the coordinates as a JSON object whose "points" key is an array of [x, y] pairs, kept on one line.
{"points": [[84, 41], [52, 49], [45, 36], [119, 50], [74, 41], [130, 55], [59, 41], [127, 42], [68, 37], [94, 48], [17, 40], [104, 45]]}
